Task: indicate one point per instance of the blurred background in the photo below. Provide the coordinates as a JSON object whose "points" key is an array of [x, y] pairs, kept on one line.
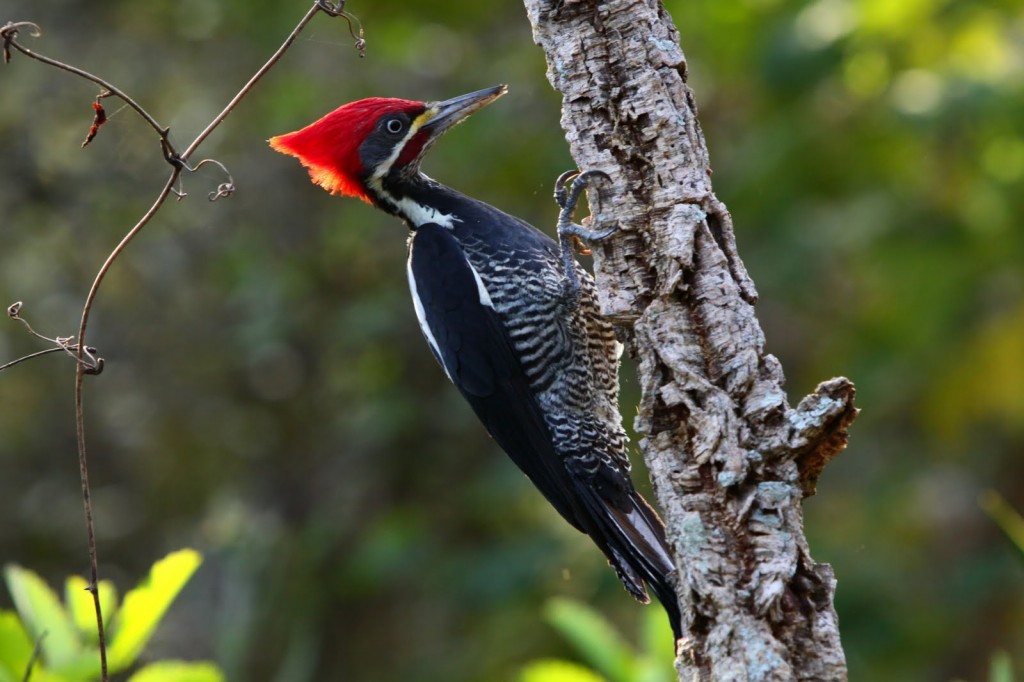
{"points": [[268, 398]]}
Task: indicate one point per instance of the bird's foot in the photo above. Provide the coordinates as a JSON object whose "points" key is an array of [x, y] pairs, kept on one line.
{"points": [[568, 188]]}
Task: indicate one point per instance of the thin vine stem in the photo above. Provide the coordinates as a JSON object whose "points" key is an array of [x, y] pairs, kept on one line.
{"points": [[179, 162], [23, 358], [201, 137], [182, 163], [10, 31], [80, 373]]}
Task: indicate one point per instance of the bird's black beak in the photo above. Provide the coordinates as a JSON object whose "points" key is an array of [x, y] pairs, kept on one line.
{"points": [[440, 116]]}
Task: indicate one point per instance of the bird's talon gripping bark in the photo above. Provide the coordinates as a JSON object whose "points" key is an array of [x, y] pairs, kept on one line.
{"points": [[584, 234], [561, 193], [568, 188]]}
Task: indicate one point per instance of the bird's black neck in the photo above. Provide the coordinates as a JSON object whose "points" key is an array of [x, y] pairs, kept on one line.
{"points": [[418, 200]]}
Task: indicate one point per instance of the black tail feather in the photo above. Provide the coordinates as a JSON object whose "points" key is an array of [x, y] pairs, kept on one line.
{"points": [[657, 565], [632, 536]]}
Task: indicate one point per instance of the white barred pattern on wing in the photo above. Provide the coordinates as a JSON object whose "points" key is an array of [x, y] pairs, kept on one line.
{"points": [[571, 364]]}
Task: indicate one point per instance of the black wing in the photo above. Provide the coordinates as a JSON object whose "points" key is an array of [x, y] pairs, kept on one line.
{"points": [[469, 340]]}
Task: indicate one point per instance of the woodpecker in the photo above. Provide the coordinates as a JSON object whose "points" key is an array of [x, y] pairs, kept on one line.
{"points": [[510, 316]]}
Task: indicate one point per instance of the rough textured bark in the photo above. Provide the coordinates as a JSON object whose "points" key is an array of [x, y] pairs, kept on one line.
{"points": [[731, 461]]}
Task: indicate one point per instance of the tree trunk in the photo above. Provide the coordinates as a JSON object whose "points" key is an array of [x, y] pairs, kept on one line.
{"points": [[731, 461]]}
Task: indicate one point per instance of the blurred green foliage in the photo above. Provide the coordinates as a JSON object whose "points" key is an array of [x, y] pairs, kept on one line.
{"points": [[52, 642], [601, 647], [268, 399]]}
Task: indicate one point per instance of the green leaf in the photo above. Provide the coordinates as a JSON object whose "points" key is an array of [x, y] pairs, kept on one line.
{"points": [[15, 647], [553, 670], [143, 607], [41, 612], [596, 640], [178, 671], [81, 608], [655, 665], [656, 635]]}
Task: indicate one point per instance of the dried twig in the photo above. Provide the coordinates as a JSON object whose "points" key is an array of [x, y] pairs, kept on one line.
{"points": [[337, 9], [10, 32], [87, 362], [91, 363], [30, 356]]}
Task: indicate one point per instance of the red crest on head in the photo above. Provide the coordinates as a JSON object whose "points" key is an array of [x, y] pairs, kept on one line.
{"points": [[329, 147]]}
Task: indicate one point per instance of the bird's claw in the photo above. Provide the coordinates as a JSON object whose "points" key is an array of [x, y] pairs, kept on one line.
{"points": [[586, 234], [580, 180], [568, 188], [561, 193]]}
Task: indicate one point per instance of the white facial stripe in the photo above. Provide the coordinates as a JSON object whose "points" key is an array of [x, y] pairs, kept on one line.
{"points": [[383, 168], [418, 214]]}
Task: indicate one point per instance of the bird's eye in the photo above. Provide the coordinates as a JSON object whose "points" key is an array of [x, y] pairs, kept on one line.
{"points": [[394, 126]]}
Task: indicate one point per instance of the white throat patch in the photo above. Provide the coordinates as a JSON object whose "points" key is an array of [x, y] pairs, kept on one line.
{"points": [[420, 214]]}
